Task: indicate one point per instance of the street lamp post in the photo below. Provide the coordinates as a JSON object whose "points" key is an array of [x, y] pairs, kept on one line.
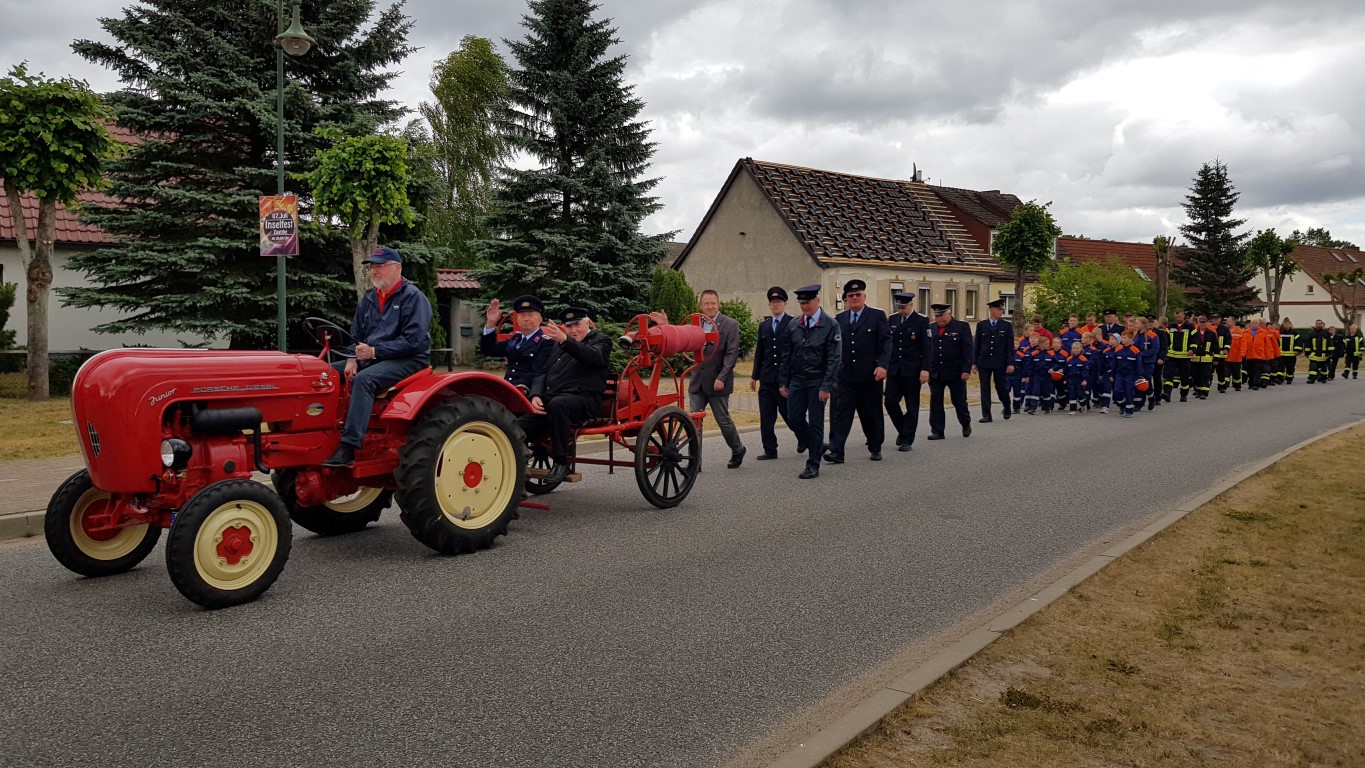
{"points": [[295, 42]]}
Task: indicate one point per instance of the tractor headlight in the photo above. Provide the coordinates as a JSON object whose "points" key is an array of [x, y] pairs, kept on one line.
{"points": [[175, 453]]}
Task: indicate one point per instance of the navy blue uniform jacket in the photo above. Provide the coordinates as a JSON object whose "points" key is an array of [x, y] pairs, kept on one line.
{"points": [[952, 351], [772, 348], [867, 345], [401, 331], [994, 346], [909, 345], [527, 357]]}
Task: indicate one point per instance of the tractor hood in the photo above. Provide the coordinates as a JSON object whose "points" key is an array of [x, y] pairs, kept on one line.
{"points": [[120, 400]]}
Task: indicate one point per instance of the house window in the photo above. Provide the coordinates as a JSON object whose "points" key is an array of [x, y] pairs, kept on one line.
{"points": [[926, 297], [1308, 289], [969, 311], [1008, 296], [950, 298], [896, 288]]}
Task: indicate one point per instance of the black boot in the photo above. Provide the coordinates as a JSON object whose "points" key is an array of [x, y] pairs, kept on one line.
{"points": [[343, 457]]}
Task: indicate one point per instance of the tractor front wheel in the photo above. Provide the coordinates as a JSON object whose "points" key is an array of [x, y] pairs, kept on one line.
{"points": [[228, 543], [461, 475], [346, 514], [75, 535]]}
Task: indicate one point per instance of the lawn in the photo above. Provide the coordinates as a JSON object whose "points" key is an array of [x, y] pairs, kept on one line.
{"points": [[36, 430], [1235, 637]]}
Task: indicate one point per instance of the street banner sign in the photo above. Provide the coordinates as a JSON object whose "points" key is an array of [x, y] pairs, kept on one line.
{"points": [[280, 225]]}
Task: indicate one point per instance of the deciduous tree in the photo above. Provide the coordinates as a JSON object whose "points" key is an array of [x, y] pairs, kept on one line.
{"points": [[1026, 243], [53, 145], [1320, 238], [1272, 256], [1077, 289]]}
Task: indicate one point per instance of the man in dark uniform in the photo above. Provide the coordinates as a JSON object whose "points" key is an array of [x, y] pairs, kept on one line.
{"points": [[526, 350], [1112, 326], [994, 358], [570, 390], [808, 374], [909, 367], [773, 343], [1222, 372], [866, 353], [950, 365]]}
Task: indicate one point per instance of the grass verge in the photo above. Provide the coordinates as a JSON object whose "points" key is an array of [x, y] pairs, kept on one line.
{"points": [[1235, 637], [36, 430]]}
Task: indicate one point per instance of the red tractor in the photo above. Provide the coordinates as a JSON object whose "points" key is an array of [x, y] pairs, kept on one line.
{"points": [[173, 438]]}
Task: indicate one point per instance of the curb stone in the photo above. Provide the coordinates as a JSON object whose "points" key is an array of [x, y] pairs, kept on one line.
{"points": [[866, 714]]}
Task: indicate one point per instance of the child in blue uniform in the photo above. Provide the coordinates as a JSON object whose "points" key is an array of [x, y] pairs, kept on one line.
{"points": [[1059, 358], [1127, 369], [1039, 391], [1077, 377], [1016, 379]]}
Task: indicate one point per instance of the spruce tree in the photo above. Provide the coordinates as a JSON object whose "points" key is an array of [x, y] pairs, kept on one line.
{"points": [[1215, 264], [569, 229], [200, 94]]}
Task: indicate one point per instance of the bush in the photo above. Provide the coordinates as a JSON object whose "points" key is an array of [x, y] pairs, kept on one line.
{"points": [[62, 370], [6, 304], [671, 293], [738, 310], [620, 358], [1075, 289]]}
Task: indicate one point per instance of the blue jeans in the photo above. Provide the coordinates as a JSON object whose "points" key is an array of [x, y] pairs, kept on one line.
{"points": [[807, 414], [375, 377]]}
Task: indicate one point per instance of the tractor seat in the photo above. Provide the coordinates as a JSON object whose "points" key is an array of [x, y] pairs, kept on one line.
{"points": [[396, 388]]}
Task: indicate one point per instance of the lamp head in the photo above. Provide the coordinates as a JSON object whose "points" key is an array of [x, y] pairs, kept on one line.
{"points": [[294, 40]]}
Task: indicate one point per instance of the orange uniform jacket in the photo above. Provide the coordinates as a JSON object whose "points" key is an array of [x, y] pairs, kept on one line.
{"points": [[1263, 347], [1237, 350]]}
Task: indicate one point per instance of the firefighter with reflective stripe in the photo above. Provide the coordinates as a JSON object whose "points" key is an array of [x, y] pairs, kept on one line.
{"points": [[1058, 374], [1338, 350], [1178, 360], [1127, 368], [1203, 345], [1261, 353], [1236, 350], [1149, 342], [1354, 347], [1319, 347], [1272, 344], [1036, 379], [1290, 347], [1222, 373]]}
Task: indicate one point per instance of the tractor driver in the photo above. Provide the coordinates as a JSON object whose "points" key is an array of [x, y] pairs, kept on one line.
{"points": [[392, 330], [570, 390]]}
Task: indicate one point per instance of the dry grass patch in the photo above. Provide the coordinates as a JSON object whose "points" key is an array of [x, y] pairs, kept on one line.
{"points": [[1236, 637], [36, 430]]}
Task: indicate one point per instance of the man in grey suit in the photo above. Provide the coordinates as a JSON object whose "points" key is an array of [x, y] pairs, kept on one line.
{"points": [[714, 380]]}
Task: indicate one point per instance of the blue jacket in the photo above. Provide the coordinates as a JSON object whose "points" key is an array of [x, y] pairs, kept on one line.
{"points": [[1128, 361], [1078, 368], [402, 331]]}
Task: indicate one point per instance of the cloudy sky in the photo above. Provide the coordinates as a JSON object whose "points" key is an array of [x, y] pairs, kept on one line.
{"points": [[1104, 108]]}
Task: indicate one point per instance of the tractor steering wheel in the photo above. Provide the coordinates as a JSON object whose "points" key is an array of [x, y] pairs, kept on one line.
{"points": [[330, 336]]}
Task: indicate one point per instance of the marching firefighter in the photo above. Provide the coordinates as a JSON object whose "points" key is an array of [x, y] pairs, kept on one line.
{"points": [[1354, 346], [1290, 347], [1319, 348], [1203, 345], [1222, 372]]}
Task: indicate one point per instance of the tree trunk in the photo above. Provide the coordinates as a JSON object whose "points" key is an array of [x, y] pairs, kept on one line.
{"points": [[39, 274], [1273, 291], [1018, 300], [363, 242]]}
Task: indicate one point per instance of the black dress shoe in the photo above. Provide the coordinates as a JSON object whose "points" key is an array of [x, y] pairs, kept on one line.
{"points": [[558, 472], [1007, 415], [903, 447], [936, 436], [800, 447], [830, 458], [766, 456], [967, 431], [876, 456], [808, 473], [737, 458], [986, 420], [344, 457]]}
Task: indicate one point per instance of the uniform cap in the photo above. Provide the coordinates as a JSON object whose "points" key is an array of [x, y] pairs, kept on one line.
{"points": [[997, 304], [808, 292], [383, 256], [903, 297], [571, 315], [1111, 312], [527, 303], [777, 293], [940, 308], [853, 286]]}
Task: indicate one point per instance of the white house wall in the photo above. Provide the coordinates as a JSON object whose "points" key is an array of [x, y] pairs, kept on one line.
{"points": [[68, 327]]}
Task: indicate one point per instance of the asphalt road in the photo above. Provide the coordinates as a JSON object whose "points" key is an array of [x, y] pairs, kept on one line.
{"points": [[604, 632]]}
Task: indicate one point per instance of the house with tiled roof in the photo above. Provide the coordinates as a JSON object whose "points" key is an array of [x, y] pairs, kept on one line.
{"points": [[1139, 256], [980, 213], [1307, 295], [777, 224]]}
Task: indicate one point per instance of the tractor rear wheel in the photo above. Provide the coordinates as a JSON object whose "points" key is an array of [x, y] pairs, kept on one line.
{"points": [[228, 543], [73, 539], [346, 514], [461, 475]]}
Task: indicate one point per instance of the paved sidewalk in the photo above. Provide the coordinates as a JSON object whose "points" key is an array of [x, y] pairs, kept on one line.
{"points": [[25, 487]]}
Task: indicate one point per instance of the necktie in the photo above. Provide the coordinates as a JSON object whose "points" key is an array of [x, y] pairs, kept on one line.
{"points": [[810, 322], [992, 325], [855, 318]]}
